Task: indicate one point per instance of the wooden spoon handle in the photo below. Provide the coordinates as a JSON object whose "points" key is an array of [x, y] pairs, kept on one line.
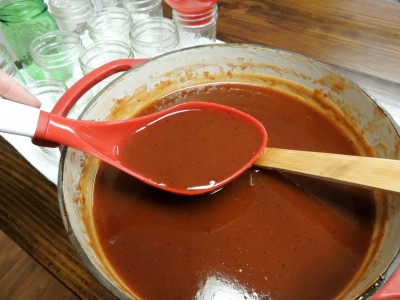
{"points": [[378, 173]]}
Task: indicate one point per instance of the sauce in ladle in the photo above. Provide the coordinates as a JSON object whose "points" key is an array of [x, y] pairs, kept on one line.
{"points": [[206, 148]]}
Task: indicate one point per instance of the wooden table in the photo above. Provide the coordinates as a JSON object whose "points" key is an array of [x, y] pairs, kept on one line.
{"points": [[359, 37]]}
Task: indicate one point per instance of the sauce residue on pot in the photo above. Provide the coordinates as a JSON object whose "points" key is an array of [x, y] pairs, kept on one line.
{"points": [[266, 235], [193, 149]]}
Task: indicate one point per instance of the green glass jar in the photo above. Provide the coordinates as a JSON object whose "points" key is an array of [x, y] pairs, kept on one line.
{"points": [[21, 22]]}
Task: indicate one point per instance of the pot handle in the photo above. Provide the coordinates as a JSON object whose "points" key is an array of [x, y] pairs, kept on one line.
{"points": [[73, 94], [391, 290]]}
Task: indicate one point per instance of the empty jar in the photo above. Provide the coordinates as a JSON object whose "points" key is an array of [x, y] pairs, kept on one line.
{"points": [[110, 23], [22, 21], [108, 3], [6, 62], [142, 9], [72, 15], [57, 54], [153, 36], [196, 28], [48, 91], [102, 52]]}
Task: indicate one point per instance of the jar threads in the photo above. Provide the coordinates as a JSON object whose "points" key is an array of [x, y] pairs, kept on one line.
{"points": [[142, 9], [154, 36], [102, 52], [57, 54], [110, 23]]}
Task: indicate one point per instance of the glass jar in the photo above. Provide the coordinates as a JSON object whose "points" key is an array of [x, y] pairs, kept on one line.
{"points": [[153, 36], [48, 91], [21, 22], [109, 3], [110, 23], [102, 52], [142, 9], [72, 15], [57, 54], [6, 62], [196, 28]]}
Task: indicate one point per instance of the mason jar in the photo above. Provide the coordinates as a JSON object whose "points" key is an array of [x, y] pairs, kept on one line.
{"points": [[110, 23], [142, 9], [48, 91], [196, 28], [72, 15], [100, 53], [6, 62], [21, 22], [57, 54], [154, 36], [109, 3]]}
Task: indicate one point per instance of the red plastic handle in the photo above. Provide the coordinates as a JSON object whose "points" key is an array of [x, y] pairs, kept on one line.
{"points": [[73, 94], [83, 85], [391, 290]]}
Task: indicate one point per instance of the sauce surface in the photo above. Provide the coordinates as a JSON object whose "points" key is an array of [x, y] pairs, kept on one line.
{"points": [[267, 235], [193, 149]]}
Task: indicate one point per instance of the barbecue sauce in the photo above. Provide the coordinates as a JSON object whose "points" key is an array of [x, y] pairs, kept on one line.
{"points": [[267, 235], [196, 149]]}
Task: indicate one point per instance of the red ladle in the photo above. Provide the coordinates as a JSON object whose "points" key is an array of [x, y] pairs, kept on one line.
{"points": [[111, 142]]}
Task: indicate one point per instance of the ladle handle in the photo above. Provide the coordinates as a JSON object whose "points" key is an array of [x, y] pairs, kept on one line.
{"points": [[17, 118], [370, 172], [82, 86]]}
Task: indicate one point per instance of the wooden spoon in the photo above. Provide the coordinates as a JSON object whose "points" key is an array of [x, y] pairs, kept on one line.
{"points": [[369, 172]]}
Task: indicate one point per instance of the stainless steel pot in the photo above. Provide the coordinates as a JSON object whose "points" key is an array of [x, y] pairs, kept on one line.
{"points": [[227, 62]]}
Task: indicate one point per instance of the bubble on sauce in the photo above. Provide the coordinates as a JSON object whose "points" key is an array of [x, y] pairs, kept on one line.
{"points": [[251, 180], [211, 184], [219, 287]]}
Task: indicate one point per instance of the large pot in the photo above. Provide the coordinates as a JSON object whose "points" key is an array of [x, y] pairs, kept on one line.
{"points": [[221, 62]]}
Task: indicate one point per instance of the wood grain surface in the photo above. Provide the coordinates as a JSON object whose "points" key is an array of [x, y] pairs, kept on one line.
{"points": [[21, 277], [359, 36], [29, 214]]}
